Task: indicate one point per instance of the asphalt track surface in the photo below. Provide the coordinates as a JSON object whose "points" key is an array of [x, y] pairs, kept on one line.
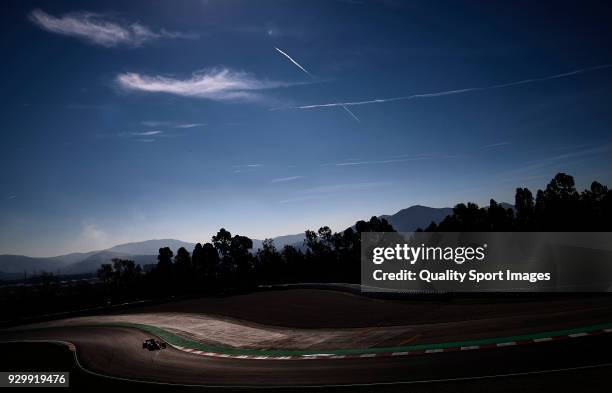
{"points": [[580, 364], [118, 352]]}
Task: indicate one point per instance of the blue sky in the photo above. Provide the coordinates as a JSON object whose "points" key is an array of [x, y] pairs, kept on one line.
{"points": [[125, 121]]}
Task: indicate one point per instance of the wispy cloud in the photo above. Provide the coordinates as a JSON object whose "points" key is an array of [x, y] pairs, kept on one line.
{"points": [[389, 161], [11, 197], [145, 133], [286, 179], [170, 124], [142, 136], [151, 123], [215, 84], [246, 168], [556, 162], [492, 145], [549, 149], [100, 29], [190, 125], [327, 191], [458, 91]]}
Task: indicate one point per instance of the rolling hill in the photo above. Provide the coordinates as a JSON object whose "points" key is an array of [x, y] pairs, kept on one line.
{"points": [[145, 252], [150, 247]]}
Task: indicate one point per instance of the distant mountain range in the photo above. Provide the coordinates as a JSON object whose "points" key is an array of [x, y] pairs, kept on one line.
{"points": [[150, 247], [145, 252]]}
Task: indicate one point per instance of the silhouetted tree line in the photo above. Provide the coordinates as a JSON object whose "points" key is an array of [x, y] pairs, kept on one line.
{"points": [[123, 276], [229, 263], [557, 208]]}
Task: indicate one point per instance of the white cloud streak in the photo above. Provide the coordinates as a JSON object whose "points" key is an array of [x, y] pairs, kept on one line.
{"points": [[492, 145], [286, 179], [556, 161], [391, 161], [145, 133], [172, 124], [141, 136], [246, 168], [215, 84], [458, 91], [100, 30], [190, 125]]}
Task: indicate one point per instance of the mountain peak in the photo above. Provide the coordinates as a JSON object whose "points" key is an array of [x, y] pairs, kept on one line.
{"points": [[417, 216], [150, 247]]}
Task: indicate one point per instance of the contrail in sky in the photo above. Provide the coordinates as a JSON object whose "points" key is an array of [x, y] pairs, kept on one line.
{"points": [[310, 75], [459, 91], [294, 62], [351, 113]]}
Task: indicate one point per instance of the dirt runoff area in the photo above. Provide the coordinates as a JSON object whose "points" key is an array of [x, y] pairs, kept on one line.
{"points": [[323, 319], [317, 308]]}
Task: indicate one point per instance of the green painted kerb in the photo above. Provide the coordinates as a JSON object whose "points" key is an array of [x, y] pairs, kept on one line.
{"points": [[173, 339]]}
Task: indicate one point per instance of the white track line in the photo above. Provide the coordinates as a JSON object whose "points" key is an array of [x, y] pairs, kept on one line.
{"points": [[423, 381]]}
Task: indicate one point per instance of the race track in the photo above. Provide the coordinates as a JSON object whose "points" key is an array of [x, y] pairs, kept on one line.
{"points": [[118, 352], [365, 322], [317, 321]]}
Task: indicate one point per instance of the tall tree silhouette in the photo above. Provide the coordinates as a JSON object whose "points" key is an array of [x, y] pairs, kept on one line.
{"points": [[499, 219], [164, 266], [198, 263], [182, 266], [242, 260], [270, 264], [294, 261], [223, 242], [525, 208], [211, 261]]}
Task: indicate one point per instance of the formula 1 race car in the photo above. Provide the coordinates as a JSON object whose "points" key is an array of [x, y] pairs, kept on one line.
{"points": [[153, 345]]}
